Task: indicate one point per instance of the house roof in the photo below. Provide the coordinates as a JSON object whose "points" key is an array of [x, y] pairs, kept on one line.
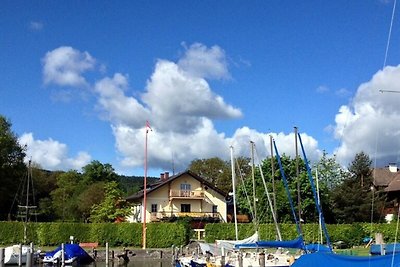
{"points": [[161, 183], [383, 176], [394, 185]]}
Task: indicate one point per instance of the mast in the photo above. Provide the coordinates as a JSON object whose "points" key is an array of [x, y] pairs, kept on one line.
{"points": [[145, 188], [234, 192], [254, 185], [273, 178], [317, 204], [297, 175]]}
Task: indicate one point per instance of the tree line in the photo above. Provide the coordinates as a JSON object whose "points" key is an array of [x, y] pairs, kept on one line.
{"points": [[96, 193]]}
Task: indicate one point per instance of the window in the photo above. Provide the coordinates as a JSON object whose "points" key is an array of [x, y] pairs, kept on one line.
{"points": [[185, 190], [214, 209], [153, 207], [185, 207]]}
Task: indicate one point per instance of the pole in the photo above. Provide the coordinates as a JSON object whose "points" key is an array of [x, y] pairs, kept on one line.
{"points": [[319, 203], [107, 253], [145, 189], [297, 175], [273, 178], [2, 252], [234, 191], [254, 185]]}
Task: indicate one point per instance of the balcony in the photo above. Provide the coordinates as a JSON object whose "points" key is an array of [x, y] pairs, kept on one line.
{"points": [[182, 194], [165, 216]]}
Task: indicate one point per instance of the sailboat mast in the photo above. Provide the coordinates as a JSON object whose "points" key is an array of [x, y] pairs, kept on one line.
{"points": [[234, 192], [254, 185], [273, 178], [145, 189], [297, 175]]}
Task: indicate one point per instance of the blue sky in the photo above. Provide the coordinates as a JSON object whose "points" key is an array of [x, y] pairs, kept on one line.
{"points": [[80, 78]]}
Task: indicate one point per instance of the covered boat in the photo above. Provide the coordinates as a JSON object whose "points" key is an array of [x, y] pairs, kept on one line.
{"points": [[72, 253], [334, 260]]}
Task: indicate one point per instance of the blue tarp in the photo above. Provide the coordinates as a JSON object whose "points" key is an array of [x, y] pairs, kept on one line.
{"points": [[71, 251], [296, 243], [335, 260], [388, 248], [317, 248]]}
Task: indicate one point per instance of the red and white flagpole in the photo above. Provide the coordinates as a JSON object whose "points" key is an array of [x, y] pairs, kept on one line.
{"points": [[145, 187]]}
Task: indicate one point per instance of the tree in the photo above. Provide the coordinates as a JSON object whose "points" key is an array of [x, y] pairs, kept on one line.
{"points": [[65, 197], [352, 200], [12, 167], [214, 170], [95, 171], [113, 206], [330, 173]]}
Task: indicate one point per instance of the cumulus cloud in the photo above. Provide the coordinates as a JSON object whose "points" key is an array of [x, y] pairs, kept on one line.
{"points": [[51, 154], [179, 103], [370, 122], [205, 62], [64, 66]]}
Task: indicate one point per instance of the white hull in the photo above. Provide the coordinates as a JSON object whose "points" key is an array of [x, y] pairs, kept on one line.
{"points": [[11, 254]]}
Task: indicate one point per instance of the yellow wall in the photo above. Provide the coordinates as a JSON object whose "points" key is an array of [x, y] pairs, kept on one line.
{"points": [[161, 197]]}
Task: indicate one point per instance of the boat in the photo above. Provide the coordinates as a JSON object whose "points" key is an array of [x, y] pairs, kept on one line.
{"points": [[334, 260], [73, 253], [12, 254], [18, 254]]}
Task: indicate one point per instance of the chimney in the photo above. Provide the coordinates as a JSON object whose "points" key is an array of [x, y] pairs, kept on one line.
{"points": [[393, 167], [166, 175], [162, 176]]}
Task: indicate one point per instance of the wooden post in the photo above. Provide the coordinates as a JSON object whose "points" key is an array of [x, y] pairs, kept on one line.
{"points": [[20, 255], [240, 259], [261, 259], [62, 255], [29, 259], [2, 252], [107, 253]]}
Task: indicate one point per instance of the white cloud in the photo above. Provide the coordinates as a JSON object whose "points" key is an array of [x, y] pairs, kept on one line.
{"points": [[179, 102], [65, 65], [51, 154], [370, 122], [180, 106], [322, 89], [342, 92], [35, 26], [204, 62], [116, 106]]}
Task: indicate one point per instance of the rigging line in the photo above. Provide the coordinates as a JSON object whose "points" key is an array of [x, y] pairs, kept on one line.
{"points": [[390, 34], [244, 187], [395, 237], [278, 231]]}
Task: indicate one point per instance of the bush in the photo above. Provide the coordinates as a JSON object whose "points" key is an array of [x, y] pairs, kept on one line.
{"points": [[159, 235]]}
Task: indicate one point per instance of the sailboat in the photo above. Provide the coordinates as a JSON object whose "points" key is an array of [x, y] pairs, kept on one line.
{"points": [[334, 260], [18, 254]]}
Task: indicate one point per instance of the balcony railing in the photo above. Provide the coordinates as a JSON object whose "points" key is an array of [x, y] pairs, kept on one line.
{"points": [[157, 216], [186, 194]]}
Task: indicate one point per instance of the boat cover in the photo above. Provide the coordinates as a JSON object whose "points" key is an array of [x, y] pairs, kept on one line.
{"points": [[334, 260], [317, 248], [230, 244], [72, 251], [295, 243], [388, 248]]}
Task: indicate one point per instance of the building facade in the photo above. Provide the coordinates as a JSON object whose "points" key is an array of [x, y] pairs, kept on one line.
{"points": [[183, 195]]}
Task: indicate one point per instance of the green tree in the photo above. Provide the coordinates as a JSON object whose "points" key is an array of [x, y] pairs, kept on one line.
{"points": [[352, 200], [329, 172], [65, 196], [214, 170], [95, 171], [113, 206], [12, 167]]}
